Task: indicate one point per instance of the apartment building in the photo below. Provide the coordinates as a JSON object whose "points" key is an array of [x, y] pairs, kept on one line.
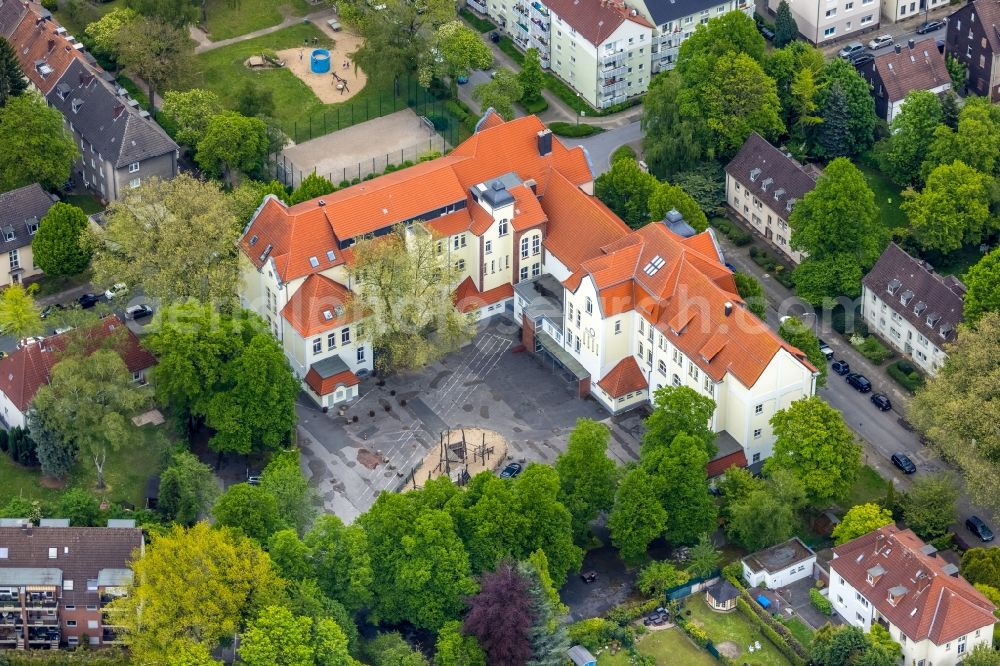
{"points": [[56, 581], [21, 213], [897, 10], [625, 312], [676, 20], [892, 578], [972, 39], [822, 21], [762, 186], [891, 76], [914, 309]]}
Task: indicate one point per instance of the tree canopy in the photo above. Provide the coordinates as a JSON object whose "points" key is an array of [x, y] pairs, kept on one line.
{"points": [[794, 332], [232, 142], [57, 246], [187, 488], [19, 315], [929, 506], [12, 79], [848, 126], [679, 410], [159, 53], [586, 475], [861, 519], [953, 208], [785, 28], [626, 189], [191, 111], [903, 152], [36, 147], [983, 282], [500, 93], [637, 517]]}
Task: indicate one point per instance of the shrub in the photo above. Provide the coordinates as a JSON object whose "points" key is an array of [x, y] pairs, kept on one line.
{"points": [[623, 152], [734, 573], [573, 130], [740, 237], [775, 632], [479, 23], [697, 634], [534, 106], [440, 122], [873, 350], [819, 602], [51, 5], [906, 376], [343, 184], [626, 613], [596, 632]]}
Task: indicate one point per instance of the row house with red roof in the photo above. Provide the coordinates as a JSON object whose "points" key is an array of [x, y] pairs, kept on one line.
{"points": [[892, 578], [623, 312]]}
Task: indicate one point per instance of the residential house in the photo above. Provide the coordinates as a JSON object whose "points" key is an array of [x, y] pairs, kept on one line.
{"points": [[823, 22], [25, 370], [897, 10], [21, 211], [43, 47], [892, 578], [972, 39], [915, 309], [676, 20], [56, 581], [780, 565], [892, 75], [762, 185], [624, 312], [120, 145]]}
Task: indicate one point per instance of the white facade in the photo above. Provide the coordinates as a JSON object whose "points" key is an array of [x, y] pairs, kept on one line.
{"points": [[898, 10], [893, 108], [823, 21], [924, 350], [768, 218], [669, 35], [780, 565]]}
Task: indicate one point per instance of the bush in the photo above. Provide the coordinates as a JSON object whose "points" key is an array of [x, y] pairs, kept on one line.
{"points": [[697, 634], [623, 152], [873, 350], [819, 602], [51, 5], [507, 46], [624, 614], [343, 184], [906, 375], [573, 130], [477, 22], [775, 632], [440, 122], [534, 106], [597, 632], [740, 237], [839, 321]]}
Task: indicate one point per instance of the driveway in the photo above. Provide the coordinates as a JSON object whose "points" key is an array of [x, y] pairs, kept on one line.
{"points": [[600, 146], [612, 587], [486, 384]]}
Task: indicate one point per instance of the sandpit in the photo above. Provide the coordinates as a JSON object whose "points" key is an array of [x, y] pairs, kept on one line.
{"points": [[326, 86], [480, 450]]}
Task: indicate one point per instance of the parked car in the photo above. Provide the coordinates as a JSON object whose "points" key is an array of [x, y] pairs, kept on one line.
{"points": [[929, 26], [859, 381], [841, 367], [881, 401], [117, 290], [862, 59], [851, 50], [50, 310], [979, 527], [880, 42], [334, 25], [462, 79], [253, 480], [903, 462], [138, 311], [825, 348], [495, 37], [588, 576], [88, 301], [766, 32], [511, 470]]}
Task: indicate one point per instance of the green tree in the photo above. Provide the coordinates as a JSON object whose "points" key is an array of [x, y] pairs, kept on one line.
{"points": [[105, 33], [197, 585], [704, 557], [56, 454], [453, 648], [975, 141], [848, 646], [785, 28], [12, 79], [254, 101], [91, 401], [184, 246], [188, 653], [391, 649], [176, 13], [673, 138], [160, 54], [500, 93], [548, 523], [290, 555], [232, 142], [860, 107], [719, 39], [56, 246], [586, 475], [340, 557], [982, 655], [983, 282], [547, 635], [627, 189], [929, 506], [637, 518], [456, 51], [957, 70], [804, 92], [797, 334], [279, 638], [247, 197], [679, 410], [906, 148], [859, 520], [785, 65], [752, 293], [738, 99], [667, 197], [760, 520], [36, 147], [706, 184], [949, 109], [249, 509], [305, 598], [680, 477], [312, 186], [951, 210], [19, 315], [658, 576], [882, 643], [816, 446], [531, 76], [191, 111], [296, 500], [406, 289], [981, 566], [81, 507], [188, 488], [833, 131]]}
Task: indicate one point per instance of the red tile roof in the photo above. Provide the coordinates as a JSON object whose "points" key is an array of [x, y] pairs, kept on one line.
{"points": [[452, 223], [327, 385], [38, 45], [919, 68], [935, 605], [720, 465], [624, 378], [569, 211], [319, 305], [24, 371], [527, 210], [595, 20], [291, 240], [468, 297]]}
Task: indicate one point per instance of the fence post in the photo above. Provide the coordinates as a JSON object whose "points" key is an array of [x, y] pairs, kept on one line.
{"points": [[295, 132]]}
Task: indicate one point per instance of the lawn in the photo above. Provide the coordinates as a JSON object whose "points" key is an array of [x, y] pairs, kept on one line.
{"points": [[869, 487], [76, 15], [733, 627], [52, 284], [88, 203], [666, 646], [227, 18], [126, 473], [887, 196], [803, 632], [958, 262]]}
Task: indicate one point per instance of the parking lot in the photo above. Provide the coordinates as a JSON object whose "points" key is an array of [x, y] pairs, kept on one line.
{"points": [[487, 384]]}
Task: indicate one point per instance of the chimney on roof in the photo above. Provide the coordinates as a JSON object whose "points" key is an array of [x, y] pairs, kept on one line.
{"points": [[321, 202], [899, 49], [531, 185], [545, 142], [911, 43], [52, 44], [729, 308]]}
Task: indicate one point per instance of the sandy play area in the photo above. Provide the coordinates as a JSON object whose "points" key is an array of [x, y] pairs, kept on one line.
{"points": [[480, 450], [325, 85]]}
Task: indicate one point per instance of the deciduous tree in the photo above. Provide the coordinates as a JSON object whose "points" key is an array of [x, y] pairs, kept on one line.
{"points": [[57, 246], [178, 13], [637, 517], [658, 576], [930, 503], [159, 53], [752, 293], [19, 315], [982, 655], [500, 93], [679, 474], [586, 475], [983, 282], [760, 519], [188, 488], [627, 189], [296, 500], [982, 566], [36, 147], [453, 648], [548, 523], [500, 617], [679, 410], [232, 142], [904, 151], [81, 507], [951, 210], [312, 186], [719, 39], [816, 446], [704, 556], [456, 50], [105, 33], [795, 333], [192, 111], [737, 99], [673, 139], [341, 560], [666, 197], [859, 520], [12, 79], [279, 638], [785, 28], [975, 141], [249, 509], [531, 76]]}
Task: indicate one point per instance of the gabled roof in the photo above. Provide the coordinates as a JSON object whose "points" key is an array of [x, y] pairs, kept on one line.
{"points": [[103, 118], [664, 11], [24, 371], [926, 601], [569, 210], [298, 243], [19, 208], [624, 378], [451, 223], [596, 20], [988, 12], [325, 376], [934, 303], [11, 13], [319, 305], [467, 296], [919, 68], [43, 50], [773, 177]]}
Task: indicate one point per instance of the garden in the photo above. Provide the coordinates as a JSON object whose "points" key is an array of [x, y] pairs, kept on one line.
{"points": [[732, 627], [664, 646], [228, 19]]}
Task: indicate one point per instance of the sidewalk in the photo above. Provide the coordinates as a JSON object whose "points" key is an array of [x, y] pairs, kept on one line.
{"points": [[206, 44]]}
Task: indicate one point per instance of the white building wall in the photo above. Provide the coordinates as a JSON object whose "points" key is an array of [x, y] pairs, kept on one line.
{"points": [[767, 219], [893, 109], [781, 578], [919, 345], [823, 21], [849, 603]]}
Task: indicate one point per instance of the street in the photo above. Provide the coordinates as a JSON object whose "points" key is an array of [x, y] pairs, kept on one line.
{"points": [[600, 146]]}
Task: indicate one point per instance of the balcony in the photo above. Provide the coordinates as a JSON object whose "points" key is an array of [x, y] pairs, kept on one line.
{"points": [[616, 60], [109, 635], [10, 603], [41, 603], [614, 73], [478, 6], [537, 8]]}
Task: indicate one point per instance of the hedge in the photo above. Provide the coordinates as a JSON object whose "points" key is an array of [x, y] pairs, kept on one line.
{"points": [[624, 614], [534, 106], [574, 130], [775, 632], [778, 270], [907, 376], [819, 602], [874, 350], [739, 237], [477, 22], [103, 657]]}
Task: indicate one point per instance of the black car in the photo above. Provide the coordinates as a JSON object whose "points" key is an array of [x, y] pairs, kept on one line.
{"points": [[929, 26], [511, 470], [766, 32], [902, 461], [979, 527], [882, 402], [88, 301], [862, 59], [588, 576], [841, 367], [495, 37], [858, 381]]}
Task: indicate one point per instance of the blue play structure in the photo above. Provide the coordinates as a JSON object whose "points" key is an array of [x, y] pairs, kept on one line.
{"points": [[319, 61], [763, 601]]}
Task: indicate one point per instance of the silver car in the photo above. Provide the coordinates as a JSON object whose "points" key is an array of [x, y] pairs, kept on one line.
{"points": [[852, 49], [880, 42]]}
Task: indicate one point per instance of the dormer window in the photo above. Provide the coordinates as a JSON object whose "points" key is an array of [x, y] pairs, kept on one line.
{"points": [[893, 286], [946, 330], [896, 594], [874, 574], [766, 184], [754, 175], [8, 233], [919, 307], [254, 239], [76, 104], [905, 297], [32, 226], [932, 319], [791, 202], [778, 193]]}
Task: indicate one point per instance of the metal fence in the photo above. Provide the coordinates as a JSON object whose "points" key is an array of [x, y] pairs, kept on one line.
{"points": [[691, 587]]}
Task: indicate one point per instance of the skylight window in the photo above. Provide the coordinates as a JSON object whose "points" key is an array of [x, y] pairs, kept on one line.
{"points": [[329, 255], [327, 315], [654, 265], [314, 262], [253, 240]]}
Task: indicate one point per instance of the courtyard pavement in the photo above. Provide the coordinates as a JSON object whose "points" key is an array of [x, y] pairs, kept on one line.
{"points": [[486, 384]]}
